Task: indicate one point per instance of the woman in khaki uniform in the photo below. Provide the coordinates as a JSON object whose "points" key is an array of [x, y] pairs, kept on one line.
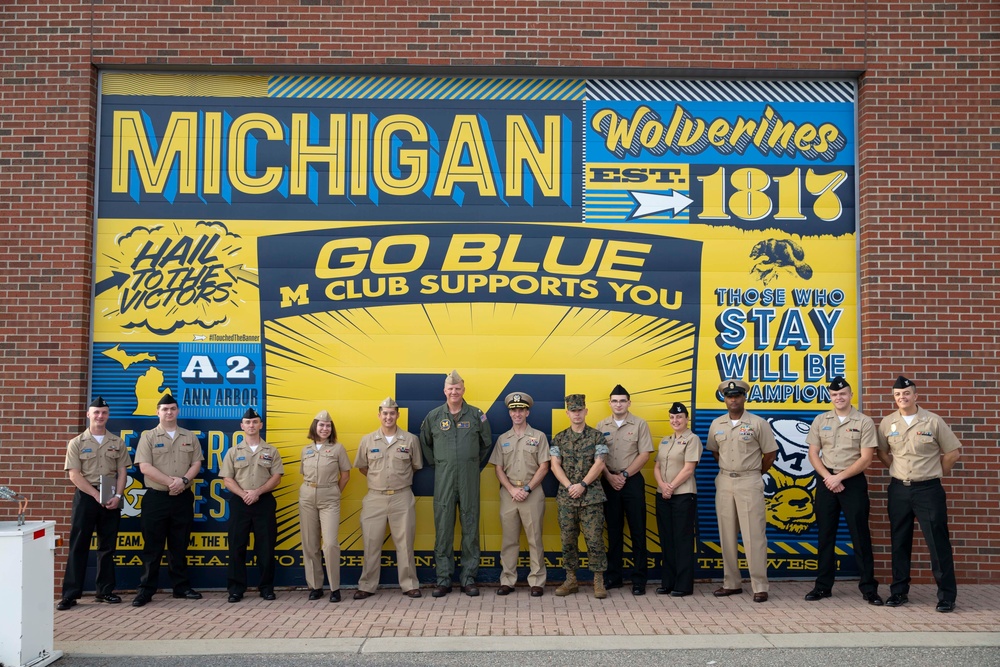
{"points": [[676, 504], [325, 470]]}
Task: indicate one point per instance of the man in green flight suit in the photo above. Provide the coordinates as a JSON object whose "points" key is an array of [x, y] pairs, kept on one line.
{"points": [[455, 439]]}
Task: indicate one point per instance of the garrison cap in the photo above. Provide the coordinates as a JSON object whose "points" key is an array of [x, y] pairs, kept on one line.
{"points": [[903, 383], [576, 402], [453, 378], [167, 399], [98, 402], [321, 416], [250, 414], [388, 403], [678, 409], [620, 391], [839, 383]]}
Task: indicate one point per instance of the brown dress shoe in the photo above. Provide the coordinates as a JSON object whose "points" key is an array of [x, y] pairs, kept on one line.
{"points": [[726, 592], [414, 593], [440, 591], [505, 590], [361, 595], [760, 597], [537, 591], [471, 590]]}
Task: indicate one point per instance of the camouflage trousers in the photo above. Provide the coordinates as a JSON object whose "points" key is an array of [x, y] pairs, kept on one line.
{"points": [[589, 519]]}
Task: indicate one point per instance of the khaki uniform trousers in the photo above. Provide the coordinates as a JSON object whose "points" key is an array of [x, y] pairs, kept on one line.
{"points": [[399, 510], [514, 516], [319, 522], [739, 504]]}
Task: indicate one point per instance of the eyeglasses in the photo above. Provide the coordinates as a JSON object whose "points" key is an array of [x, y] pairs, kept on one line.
{"points": [[619, 400]]}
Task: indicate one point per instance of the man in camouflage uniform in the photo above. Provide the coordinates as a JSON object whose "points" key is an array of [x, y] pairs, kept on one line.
{"points": [[578, 455], [455, 439]]}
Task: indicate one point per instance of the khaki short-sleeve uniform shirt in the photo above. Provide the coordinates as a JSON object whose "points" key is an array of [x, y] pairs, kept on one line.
{"points": [[917, 447], [840, 443], [741, 447], [93, 458], [675, 451], [625, 442], [171, 456], [520, 456], [322, 467], [251, 469], [390, 465]]}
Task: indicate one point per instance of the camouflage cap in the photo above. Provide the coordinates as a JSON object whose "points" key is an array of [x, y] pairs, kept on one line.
{"points": [[576, 402]]}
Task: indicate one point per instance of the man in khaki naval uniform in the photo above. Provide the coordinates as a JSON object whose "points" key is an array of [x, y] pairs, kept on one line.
{"points": [[629, 446], [919, 448], [388, 458], [251, 470], [169, 458], [841, 447], [521, 459], [744, 447], [89, 456]]}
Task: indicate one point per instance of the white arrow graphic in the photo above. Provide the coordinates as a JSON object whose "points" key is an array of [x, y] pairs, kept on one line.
{"points": [[651, 203]]}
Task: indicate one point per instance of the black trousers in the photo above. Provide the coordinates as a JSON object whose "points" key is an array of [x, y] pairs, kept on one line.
{"points": [[925, 501], [89, 516], [629, 504], [853, 502], [260, 519], [166, 520], [675, 519]]}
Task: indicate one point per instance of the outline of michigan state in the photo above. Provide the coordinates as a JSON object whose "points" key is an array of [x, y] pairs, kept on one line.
{"points": [[149, 388], [126, 359]]}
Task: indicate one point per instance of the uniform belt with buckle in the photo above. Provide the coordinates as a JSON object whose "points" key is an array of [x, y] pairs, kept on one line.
{"points": [[743, 473], [517, 482], [915, 482], [319, 486], [390, 492]]}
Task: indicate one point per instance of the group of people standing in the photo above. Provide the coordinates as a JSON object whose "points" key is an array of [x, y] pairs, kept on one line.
{"points": [[598, 469]]}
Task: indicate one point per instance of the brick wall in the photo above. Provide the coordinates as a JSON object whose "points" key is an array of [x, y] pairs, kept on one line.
{"points": [[928, 161]]}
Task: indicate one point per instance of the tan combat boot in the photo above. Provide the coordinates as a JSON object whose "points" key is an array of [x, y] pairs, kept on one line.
{"points": [[568, 586], [600, 592]]}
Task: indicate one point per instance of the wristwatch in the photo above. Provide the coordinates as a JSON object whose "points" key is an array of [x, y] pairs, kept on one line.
{"points": [[625, 474], [583, 483], [185, 480], [118, 496], [527, 488]]}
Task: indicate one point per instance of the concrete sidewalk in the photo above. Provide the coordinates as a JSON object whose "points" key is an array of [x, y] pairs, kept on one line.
{"points": [[390, 622]]}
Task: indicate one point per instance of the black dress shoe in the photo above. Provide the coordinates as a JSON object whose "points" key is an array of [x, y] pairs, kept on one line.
{"points": [[897, 600], [760, 597], [726, 592], [141, 600], [334, 595], [537, 591], [662, 590], [505, 590], [471, 590], [638, 589], [110, 598], [235, 597], [268, 595], [873, 599], [945, 607], [315, 593], [189, 594], [65, 604], [817, 594], [679, 594], [608, 585], [440, 591]]}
